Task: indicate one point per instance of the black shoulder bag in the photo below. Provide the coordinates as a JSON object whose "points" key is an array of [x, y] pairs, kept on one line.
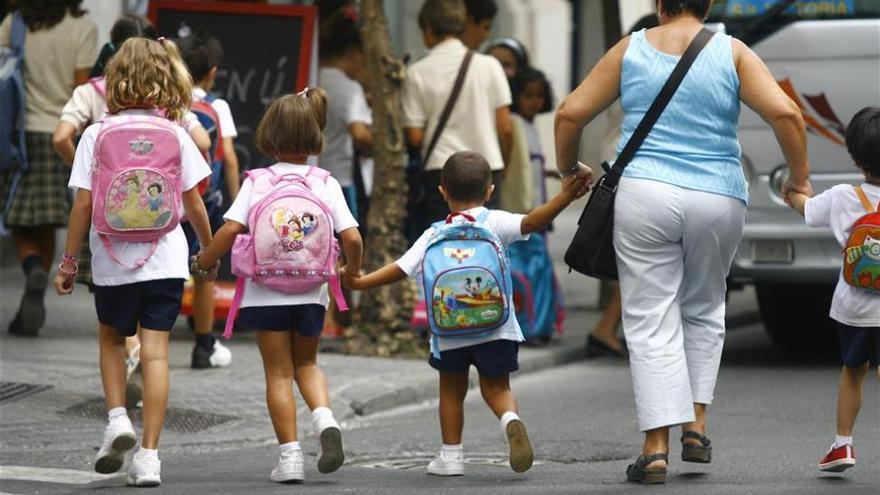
{"points": [[592, 249]]}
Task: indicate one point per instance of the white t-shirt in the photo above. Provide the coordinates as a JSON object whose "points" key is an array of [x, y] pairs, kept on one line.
{"points": [[51, 56], [227, 125], [346, 104], [838, 208], [471, 124], [331, 193], [171, 259], [508, 227], [88, 106]]}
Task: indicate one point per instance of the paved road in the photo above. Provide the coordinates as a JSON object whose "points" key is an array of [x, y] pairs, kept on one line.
{"points": [[771, 421]]}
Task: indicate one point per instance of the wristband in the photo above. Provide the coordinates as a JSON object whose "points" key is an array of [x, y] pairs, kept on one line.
{"points": [[67, 273], [571, 170], [206, 273]]}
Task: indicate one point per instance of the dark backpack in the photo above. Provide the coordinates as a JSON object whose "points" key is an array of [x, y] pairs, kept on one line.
{"points": [[211, 122]]}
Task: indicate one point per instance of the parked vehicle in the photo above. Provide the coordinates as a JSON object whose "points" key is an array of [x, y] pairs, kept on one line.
{"points": [[826, 55]]}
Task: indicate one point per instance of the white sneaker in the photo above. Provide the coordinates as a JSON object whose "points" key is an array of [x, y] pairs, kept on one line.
{"points": [[447, 464], [219, 356], [289, 468], [144, 470], [119, 438]]}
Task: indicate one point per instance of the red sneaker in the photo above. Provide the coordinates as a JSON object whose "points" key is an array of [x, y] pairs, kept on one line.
{"points": [[838, 459]]}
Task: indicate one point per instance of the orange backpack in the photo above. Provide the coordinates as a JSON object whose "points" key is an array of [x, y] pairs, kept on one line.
{"points": [[861, 256]]}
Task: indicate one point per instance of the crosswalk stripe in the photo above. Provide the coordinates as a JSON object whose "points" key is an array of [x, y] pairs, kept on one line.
{"points": [[53, 475]]}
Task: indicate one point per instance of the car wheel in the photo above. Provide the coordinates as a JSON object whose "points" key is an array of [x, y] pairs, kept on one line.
{"points": [[796, 315]]}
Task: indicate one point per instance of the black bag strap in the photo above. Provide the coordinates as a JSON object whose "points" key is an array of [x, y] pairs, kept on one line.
{"points": [[450, 103], [657, 107]]}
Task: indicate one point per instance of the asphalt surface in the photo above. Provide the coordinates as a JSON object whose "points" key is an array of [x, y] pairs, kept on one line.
{"points": [[772, 420]]}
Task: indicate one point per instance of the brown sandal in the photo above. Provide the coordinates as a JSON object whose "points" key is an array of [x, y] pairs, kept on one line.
{"points": [[701, 454], [638, 471]]}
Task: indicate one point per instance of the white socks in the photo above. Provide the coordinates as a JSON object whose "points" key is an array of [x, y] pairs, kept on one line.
{"points": [[322, 418], [148, 453], [289, 448], [116, 413], [452, 448], [840, 441], [507, 418]]}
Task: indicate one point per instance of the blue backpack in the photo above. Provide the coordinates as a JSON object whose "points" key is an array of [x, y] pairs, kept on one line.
{"points": [[12, 109], [466, 278], [537, 300]]}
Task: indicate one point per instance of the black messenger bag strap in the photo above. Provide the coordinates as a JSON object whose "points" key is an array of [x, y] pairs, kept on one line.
{"points": [[656, 109], [450, 104], [592, 249]]}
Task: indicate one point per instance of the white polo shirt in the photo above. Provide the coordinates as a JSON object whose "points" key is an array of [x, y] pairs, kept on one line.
{"points": [[471, 125]]}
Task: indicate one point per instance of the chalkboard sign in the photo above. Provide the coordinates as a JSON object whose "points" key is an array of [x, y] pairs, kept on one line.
{"points": [[268, 50]]}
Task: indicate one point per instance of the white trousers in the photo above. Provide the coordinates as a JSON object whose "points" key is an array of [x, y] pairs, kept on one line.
{"points": [[674, 250]]}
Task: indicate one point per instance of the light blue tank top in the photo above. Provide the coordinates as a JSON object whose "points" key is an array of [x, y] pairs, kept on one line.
{"points": [[694, 143]]}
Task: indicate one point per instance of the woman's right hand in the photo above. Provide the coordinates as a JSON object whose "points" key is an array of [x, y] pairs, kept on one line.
{"points": [[802, 186]]}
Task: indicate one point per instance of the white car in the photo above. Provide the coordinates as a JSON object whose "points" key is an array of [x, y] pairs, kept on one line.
{"points": [[826, 55]]}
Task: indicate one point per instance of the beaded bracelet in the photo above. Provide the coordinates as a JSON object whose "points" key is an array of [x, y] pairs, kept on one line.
{"points": [[63, 270], [206, 273]]}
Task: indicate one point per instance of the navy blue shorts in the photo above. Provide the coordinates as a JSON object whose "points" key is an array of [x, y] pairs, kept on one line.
{"points": [[215, 218], [859, 345], [306, 319], [154, 304], [492, 359]]}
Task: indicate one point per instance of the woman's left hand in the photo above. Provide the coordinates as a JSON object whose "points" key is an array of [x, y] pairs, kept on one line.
{"points": [[585, 174]]}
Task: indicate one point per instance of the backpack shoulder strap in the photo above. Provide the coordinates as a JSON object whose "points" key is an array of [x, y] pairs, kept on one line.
{"points": [[318, 173], [482, 217], [866, 203], [100, 85], [17, 33], [450, 104]]}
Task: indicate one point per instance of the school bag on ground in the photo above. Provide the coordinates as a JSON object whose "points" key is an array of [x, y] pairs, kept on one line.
{"points": [[861, 261], [466, 279], [136, 182], [210, 120], [291, 246], [537, 299], [12, 107]]}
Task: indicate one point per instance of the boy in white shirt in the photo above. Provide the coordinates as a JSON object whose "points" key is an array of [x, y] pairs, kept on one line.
{"points": [[479, 120], [203, 54], [466, 185], [855, 310]]}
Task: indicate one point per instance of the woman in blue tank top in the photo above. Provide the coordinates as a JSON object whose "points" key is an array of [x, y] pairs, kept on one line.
{"points": [[679, 210]]}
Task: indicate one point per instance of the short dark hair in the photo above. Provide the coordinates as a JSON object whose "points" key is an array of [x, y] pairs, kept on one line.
{"points": [[522, 78], [443, 17], [699, 8], [201, 52], [466, 176], [481, 10], [863, 140], [337, 38]]}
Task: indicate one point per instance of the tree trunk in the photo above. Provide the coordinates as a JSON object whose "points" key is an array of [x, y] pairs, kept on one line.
{"points": [[383, 319]]}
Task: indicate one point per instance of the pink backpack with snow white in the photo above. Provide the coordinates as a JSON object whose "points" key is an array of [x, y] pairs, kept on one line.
{"points": [[136, 181], [290, 246]]}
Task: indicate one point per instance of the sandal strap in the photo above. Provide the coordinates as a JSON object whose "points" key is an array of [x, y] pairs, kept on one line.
{"points": [[696, 436], [644, 460]]}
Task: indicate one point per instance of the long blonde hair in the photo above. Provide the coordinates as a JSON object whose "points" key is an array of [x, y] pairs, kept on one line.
{"points": [[149, 74]]}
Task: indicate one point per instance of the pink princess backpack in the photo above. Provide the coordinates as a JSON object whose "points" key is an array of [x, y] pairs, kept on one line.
{"points": [[136, 182], [290, 246]]}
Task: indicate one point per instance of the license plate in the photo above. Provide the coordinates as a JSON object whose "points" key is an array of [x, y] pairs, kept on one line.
{"points": [[772, 252]]}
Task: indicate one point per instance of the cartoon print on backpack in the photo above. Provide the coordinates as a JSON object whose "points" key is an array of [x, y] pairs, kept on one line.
{"points": [[866, 261], [131, 206], [467, 298], [292, 228]]}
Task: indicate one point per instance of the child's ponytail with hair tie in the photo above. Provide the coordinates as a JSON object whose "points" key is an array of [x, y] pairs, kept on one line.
{"points": [[318, 100]]}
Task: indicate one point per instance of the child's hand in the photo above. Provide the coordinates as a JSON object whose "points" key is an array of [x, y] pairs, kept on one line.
{"points": [[209, 274], [350, 280], [63, 284], [575, 186]]}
